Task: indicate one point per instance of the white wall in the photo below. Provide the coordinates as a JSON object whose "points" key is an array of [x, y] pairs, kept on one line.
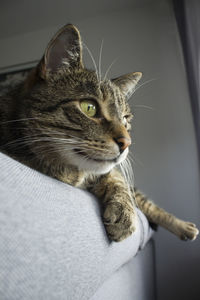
{"points": [[144, 38]]}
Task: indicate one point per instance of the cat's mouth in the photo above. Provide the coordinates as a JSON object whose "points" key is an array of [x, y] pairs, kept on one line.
{"points": [[95, 162], [85, 155]]}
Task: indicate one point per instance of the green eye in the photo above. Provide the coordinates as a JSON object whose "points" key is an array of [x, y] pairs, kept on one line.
{"points": [[89, 107]]}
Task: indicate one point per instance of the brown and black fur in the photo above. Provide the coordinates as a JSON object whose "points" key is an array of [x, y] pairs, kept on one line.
{"points": [[42, 125]]}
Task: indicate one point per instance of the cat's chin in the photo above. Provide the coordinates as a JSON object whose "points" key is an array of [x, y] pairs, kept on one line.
{"points": [[96, 166], [93, 166], [100, 168]]}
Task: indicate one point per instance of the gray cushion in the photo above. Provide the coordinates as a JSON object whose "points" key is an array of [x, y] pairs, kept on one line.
{"points": [[52, 241], [135, 280]]}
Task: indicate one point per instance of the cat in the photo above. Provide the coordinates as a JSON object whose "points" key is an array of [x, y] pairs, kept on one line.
{"points": [[68, 123]]}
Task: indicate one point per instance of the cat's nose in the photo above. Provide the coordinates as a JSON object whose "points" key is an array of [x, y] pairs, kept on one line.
{"points": [[123, 143]]}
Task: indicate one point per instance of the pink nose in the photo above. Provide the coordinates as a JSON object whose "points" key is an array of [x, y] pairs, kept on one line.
{"points": [[123, 143]]}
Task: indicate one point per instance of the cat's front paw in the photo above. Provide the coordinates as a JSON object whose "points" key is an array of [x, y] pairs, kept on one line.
{"points": [[119, 221], [187, 230]]}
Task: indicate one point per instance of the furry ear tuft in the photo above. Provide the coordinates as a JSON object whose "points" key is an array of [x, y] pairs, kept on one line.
{"points": [[64, 50], [127, 83]]}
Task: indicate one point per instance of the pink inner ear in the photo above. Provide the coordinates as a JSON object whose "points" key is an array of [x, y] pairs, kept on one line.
{"points": [[56, 54], [64, 50]]}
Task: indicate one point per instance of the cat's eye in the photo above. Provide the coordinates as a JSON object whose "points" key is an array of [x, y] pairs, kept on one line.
{"points": [[89, 107]]}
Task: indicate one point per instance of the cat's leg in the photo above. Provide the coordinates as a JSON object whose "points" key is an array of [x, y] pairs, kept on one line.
{"points": [[119, 214], [184, 230]]}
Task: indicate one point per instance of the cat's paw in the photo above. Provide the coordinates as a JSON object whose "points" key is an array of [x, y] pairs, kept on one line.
{"points": [[187, 230], [119, 221]]}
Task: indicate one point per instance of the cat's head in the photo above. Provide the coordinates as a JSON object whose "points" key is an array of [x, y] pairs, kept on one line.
{"points": [[79, 118]]}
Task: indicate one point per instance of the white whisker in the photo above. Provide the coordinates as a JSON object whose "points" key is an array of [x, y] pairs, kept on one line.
{"points": [[135, 160], [144, 106], [18, 120], [138, 86], [127, 171], [100, 58], [93, 60], [144, 83], [109, 68]]}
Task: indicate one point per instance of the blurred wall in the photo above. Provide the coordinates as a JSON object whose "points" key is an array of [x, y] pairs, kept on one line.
{"points": [[142, 36]]}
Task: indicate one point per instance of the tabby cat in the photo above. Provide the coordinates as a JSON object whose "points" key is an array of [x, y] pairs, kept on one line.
{"points": [[67, 122]]}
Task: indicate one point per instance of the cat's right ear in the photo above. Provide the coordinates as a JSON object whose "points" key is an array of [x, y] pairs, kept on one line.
{"points": [[63, 51]]}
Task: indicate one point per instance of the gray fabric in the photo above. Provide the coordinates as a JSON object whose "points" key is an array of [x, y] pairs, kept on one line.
{"points": [[52, 241], [133, 281]]}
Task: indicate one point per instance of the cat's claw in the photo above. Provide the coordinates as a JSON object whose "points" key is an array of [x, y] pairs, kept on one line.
{"points": [[119, 221]]}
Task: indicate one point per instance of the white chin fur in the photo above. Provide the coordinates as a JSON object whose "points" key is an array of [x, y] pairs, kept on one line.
{"points": [[97, 167]]}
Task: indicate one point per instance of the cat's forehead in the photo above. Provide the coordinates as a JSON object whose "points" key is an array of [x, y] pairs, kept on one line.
{"points": [[86, 84]]}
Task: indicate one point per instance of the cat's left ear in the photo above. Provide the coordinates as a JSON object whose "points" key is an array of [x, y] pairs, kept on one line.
{"points": [[64, 50], [127, 83]]}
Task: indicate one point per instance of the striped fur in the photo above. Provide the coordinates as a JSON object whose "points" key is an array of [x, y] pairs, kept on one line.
{"points": [[43, 126]]}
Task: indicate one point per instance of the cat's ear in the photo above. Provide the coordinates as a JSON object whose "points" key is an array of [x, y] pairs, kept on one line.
{"points": [[64, 50], [127, 83]]}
